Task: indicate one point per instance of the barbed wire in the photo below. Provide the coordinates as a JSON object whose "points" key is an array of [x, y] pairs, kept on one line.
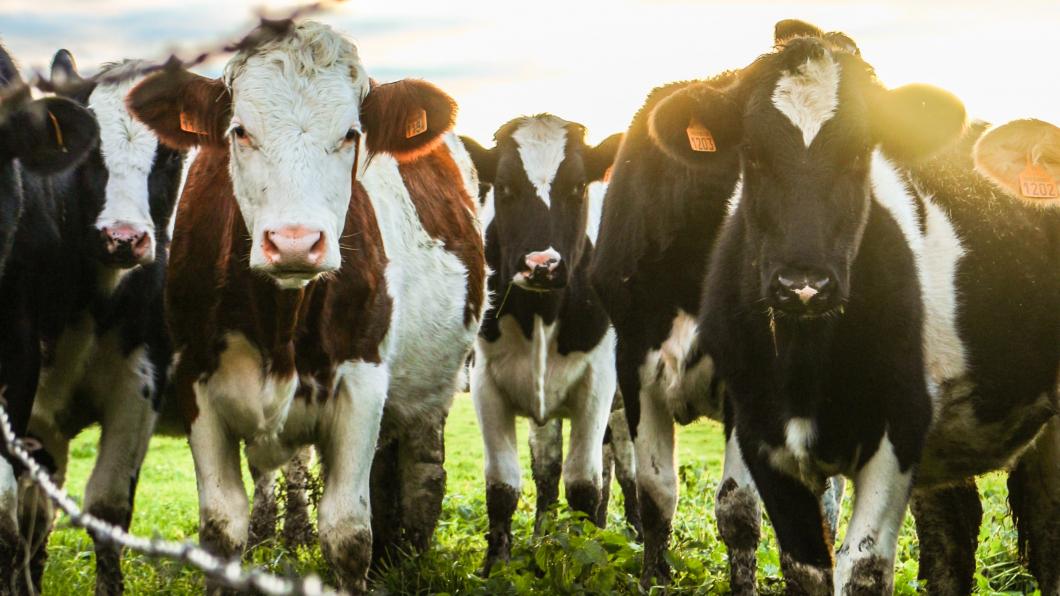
{"points": [[266, 30], [230, 573]]}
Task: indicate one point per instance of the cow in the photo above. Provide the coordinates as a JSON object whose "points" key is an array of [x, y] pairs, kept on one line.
{"points": [[105, 354], [326, 281], [662, 215], [546, 348], [853, 310], [40, 215]]}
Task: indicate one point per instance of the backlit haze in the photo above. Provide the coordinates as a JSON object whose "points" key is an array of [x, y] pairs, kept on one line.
{"points": [[591, 62]]}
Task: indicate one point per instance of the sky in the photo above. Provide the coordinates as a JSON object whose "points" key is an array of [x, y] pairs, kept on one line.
{"points": [[588, 61]]}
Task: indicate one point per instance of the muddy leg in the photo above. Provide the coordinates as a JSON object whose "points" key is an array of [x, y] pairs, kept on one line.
{"points": [[546, 462], [625, 468], [1034, 495], [263, 509], [608, 463], [739, 519], [947, 526], [503, 473], [386, 502], [422, 461], [297, 525]]}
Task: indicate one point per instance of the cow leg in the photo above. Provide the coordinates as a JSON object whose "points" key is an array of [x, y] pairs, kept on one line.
{"points": [[739, 518], [223, 508], [36, 514], [263, 510], [422, 459], [608, 463], [503, 473], [385, 488], [947, 526], [795, 512], [546, 462], [832, 502], [1034, 495], [125, 434], [865, 562], [582, 470], [297, 526], [349, 433], [626, 468], [656, 483]]}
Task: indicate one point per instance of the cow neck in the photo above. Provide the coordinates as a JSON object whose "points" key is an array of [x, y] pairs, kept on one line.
{"points": [[799, 354]]}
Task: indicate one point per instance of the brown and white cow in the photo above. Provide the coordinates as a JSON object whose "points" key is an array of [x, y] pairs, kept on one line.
{"points": [[317, 295]]}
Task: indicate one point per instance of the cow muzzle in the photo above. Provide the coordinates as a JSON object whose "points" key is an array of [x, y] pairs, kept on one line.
{"points": [[543, 271], [804, 292], [294, 253], [127, 245]]}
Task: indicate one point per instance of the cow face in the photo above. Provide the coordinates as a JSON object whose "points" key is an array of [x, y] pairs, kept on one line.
{"points": [[129, 181], [292, 113], [806, 121], [540, 170], [1022, 157]]}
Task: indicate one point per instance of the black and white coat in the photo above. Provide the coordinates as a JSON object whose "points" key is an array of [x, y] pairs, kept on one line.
{"points": [[91, 254], [546, 349]]}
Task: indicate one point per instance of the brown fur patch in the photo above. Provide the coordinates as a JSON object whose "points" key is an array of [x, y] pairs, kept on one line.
{"points": [[161, 101], [448, 214], [803, 579], [387, 109]]}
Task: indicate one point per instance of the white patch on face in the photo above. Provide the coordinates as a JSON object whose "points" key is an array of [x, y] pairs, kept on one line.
{"points": [[597, 192], [937, 255], [296, 98], [809, 96], [799, 435], [128, 147], [542, 143], [488, 211]]}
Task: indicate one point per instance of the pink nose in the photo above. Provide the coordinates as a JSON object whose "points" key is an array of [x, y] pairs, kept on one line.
{"points": [[128, 241], [294, 247], [547, 258]]}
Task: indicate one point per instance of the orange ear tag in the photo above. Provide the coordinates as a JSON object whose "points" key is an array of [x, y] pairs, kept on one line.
{"points": [[188, 125], [1036, 183], [416, 125], [699, 138]]}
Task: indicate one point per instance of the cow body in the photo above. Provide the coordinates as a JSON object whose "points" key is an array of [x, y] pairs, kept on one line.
{"points": [[343, 318], [546, 349], [893, 323]]}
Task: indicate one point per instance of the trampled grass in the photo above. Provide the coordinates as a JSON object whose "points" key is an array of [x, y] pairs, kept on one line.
{"points": [[571, 556]]}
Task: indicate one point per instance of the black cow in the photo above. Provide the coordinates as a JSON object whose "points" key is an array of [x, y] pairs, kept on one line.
{"points": [[545, 349], [38, 140], [91, 257], [871, 314]]}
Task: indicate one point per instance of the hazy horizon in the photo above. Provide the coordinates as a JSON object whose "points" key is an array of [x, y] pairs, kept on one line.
{"points": [[591, 62]]}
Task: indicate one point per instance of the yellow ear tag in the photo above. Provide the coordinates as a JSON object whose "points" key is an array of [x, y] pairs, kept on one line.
{"points": [[188, 125], [58, 132], [416, 125], [1036, 183], [699, 138]]}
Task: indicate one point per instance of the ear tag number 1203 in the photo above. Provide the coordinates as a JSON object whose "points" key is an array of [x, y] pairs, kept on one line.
{"points": [[699, 138]]}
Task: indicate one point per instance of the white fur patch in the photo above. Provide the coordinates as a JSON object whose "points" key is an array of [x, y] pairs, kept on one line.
{"points": [[809, 96], [799, 435], [128, 147], [542, 143], [937, 254], [597, 192]]}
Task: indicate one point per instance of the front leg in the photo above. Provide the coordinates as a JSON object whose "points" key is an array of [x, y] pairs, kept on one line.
{"points": [[503, 473], [349, 432], [546, 463], [422, 461], [739, 518], [591, 408], [625, 466], [223, 508], [865, 563], [297, 525], [656, 483], [947, 527]]}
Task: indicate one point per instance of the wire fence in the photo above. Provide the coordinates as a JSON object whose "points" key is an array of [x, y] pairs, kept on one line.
{"points": [[229, 573]]}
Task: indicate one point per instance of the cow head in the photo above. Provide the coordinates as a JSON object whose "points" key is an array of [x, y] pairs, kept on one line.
{"points": [[129, 181], [292, 113], [806, 121], [1022, 157], [540, 170]]}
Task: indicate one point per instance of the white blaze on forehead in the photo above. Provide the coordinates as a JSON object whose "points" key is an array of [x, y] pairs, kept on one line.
{"points": [[128, 148], [542, 142], [809, 95]]}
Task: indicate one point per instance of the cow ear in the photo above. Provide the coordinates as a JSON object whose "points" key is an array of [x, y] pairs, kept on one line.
{"points": [[485, 160], [915, 121], [50, 134], [599, 158], [696, 125], [1014, 153], [406, 118], [184, 109], [64, 69], [789, 29]]}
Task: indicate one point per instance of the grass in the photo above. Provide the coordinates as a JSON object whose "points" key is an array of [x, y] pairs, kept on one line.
{"points": [[571, 556]]}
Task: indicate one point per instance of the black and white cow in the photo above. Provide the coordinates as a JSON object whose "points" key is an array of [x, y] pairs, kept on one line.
{"points": [[39, 139], [545, 349], [871, 314], [98, 281]]}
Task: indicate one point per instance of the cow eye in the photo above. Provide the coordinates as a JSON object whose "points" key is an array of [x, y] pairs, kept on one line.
{"points": [[241, 135], [352, 135]]}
